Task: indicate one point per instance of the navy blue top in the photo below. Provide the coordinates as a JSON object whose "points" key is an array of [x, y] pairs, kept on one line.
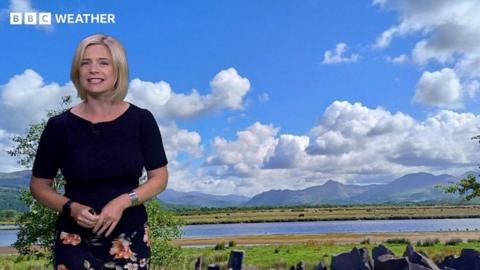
{"points": [[100, 161]]}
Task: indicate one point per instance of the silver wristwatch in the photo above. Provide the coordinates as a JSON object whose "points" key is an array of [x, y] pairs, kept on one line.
{"points": [[133, 198]]}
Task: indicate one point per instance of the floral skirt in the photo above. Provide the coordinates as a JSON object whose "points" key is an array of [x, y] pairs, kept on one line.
{"points": [[91, 252]]}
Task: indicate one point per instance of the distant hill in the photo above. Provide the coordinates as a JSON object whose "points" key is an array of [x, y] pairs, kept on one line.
{"points": [[18, 179], [11, 183], [10, 186], [416, 187], [10, 200], [198, 199], [331, 192]]}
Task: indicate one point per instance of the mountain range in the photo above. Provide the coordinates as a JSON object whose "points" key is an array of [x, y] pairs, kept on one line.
{"points": [[416, 187], [198, 199]]}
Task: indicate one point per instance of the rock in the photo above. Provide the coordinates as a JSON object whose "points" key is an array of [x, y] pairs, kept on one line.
{"points": [[198, 263], [469, 252], [379, 251], [391, 262], [356, 259], [213, 267], [409, 250], [366, 257], [236, 259], [469, 260], [419, 258], [320, 266]]}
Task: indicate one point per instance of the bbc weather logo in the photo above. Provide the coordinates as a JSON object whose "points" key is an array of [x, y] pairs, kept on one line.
{"points": [[45, 18], [31, 18]]}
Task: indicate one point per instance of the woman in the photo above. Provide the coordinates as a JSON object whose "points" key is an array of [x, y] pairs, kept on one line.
{"points": [[101, 146]]}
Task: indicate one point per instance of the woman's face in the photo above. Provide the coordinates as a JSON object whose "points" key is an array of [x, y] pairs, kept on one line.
{"points": [[97, 76]]}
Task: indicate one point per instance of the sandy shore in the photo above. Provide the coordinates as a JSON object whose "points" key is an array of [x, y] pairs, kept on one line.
{"points": [[340, 238], [337, 238], [8, 251]]}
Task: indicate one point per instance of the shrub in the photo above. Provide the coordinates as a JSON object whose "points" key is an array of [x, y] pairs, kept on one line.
{"points": [[453, 242], [219, 246], [398, 241], [365, 241], [473, 240], [232, 243], [428, 242], [163, 228]]}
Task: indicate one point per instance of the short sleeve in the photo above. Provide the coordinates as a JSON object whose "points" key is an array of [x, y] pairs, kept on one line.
{"points": [[47, 159], [152, 146]]}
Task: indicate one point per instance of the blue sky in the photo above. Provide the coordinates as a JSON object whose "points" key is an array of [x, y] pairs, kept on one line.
{"points": [[256, 95]]}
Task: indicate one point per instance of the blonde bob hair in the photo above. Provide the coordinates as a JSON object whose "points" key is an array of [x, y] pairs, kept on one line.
{"points": [[120, 65]]}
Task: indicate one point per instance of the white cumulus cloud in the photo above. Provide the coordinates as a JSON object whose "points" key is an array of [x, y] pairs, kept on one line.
{"points": [[289, 152], [349, 143], [337, 56], [177, 140], [7, 163], [447, 34], [440, 88], [401, 59], [348, 135], [228, 91], [25, 98], [247, 153]]}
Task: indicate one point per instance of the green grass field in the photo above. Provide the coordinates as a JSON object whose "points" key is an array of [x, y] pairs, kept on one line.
{"points": [[10, 262], [264, 257], [284, 256], [330, 213]]}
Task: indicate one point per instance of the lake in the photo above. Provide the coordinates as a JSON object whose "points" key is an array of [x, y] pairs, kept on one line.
{"points": [[7, 237], [317, 227]]}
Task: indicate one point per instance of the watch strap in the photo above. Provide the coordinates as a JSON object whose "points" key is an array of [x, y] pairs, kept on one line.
{"points": [[67, 207], [133, 198]]}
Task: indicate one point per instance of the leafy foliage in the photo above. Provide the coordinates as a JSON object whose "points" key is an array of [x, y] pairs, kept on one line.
{"points": [[37, 226], [163, 227], [468, 188]]}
